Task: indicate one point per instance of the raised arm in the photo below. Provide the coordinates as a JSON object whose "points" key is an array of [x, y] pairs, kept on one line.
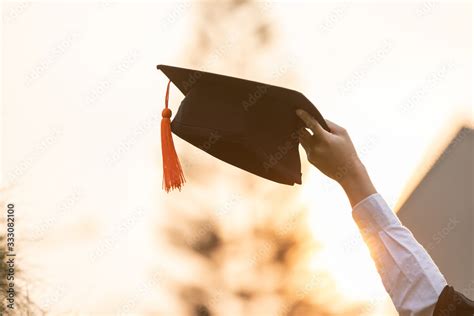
{"points": [[408, 273]]}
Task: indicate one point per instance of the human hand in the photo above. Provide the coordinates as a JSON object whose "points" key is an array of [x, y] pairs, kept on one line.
{"points": [[334, 155]]}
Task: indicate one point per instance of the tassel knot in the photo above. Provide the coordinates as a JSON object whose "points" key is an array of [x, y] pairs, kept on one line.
{"points": [[166, 113]]}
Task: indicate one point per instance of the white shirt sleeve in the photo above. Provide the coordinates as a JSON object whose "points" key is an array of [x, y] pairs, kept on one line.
{"points": [[408, 273]]}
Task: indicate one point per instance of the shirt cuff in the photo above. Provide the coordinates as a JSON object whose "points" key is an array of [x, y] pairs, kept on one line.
{"points": [[373, 214]]}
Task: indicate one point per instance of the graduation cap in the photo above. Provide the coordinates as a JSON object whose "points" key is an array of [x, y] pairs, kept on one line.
{"points": [[248, 124]]}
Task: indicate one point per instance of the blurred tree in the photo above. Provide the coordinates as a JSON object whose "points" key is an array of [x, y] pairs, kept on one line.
{"points": [[248, 253]]}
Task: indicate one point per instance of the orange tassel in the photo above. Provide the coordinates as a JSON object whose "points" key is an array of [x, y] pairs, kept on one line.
{"points": [[173, 177]]}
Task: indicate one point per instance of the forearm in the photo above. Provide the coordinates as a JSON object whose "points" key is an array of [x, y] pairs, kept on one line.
{"points": [[356, 182]]}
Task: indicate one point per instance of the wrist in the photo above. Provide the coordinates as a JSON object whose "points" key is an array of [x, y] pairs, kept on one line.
{"points": [[352, 172], [356, 183]]}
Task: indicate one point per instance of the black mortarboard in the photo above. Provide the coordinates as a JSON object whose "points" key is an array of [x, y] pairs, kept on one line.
{"points": [[248, 124]]}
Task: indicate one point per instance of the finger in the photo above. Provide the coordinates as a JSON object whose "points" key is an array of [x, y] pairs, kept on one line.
{"points": [[305, 139], [311, 123], [336, 129]]}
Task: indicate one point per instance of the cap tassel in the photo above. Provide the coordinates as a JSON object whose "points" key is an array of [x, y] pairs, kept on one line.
{"points": [[173, 177]]}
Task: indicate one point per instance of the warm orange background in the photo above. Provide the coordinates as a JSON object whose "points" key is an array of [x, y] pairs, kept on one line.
{"points": [[81, 148]]}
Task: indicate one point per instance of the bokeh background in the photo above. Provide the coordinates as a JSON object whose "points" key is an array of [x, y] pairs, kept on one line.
{"points": [[81, 159]]}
